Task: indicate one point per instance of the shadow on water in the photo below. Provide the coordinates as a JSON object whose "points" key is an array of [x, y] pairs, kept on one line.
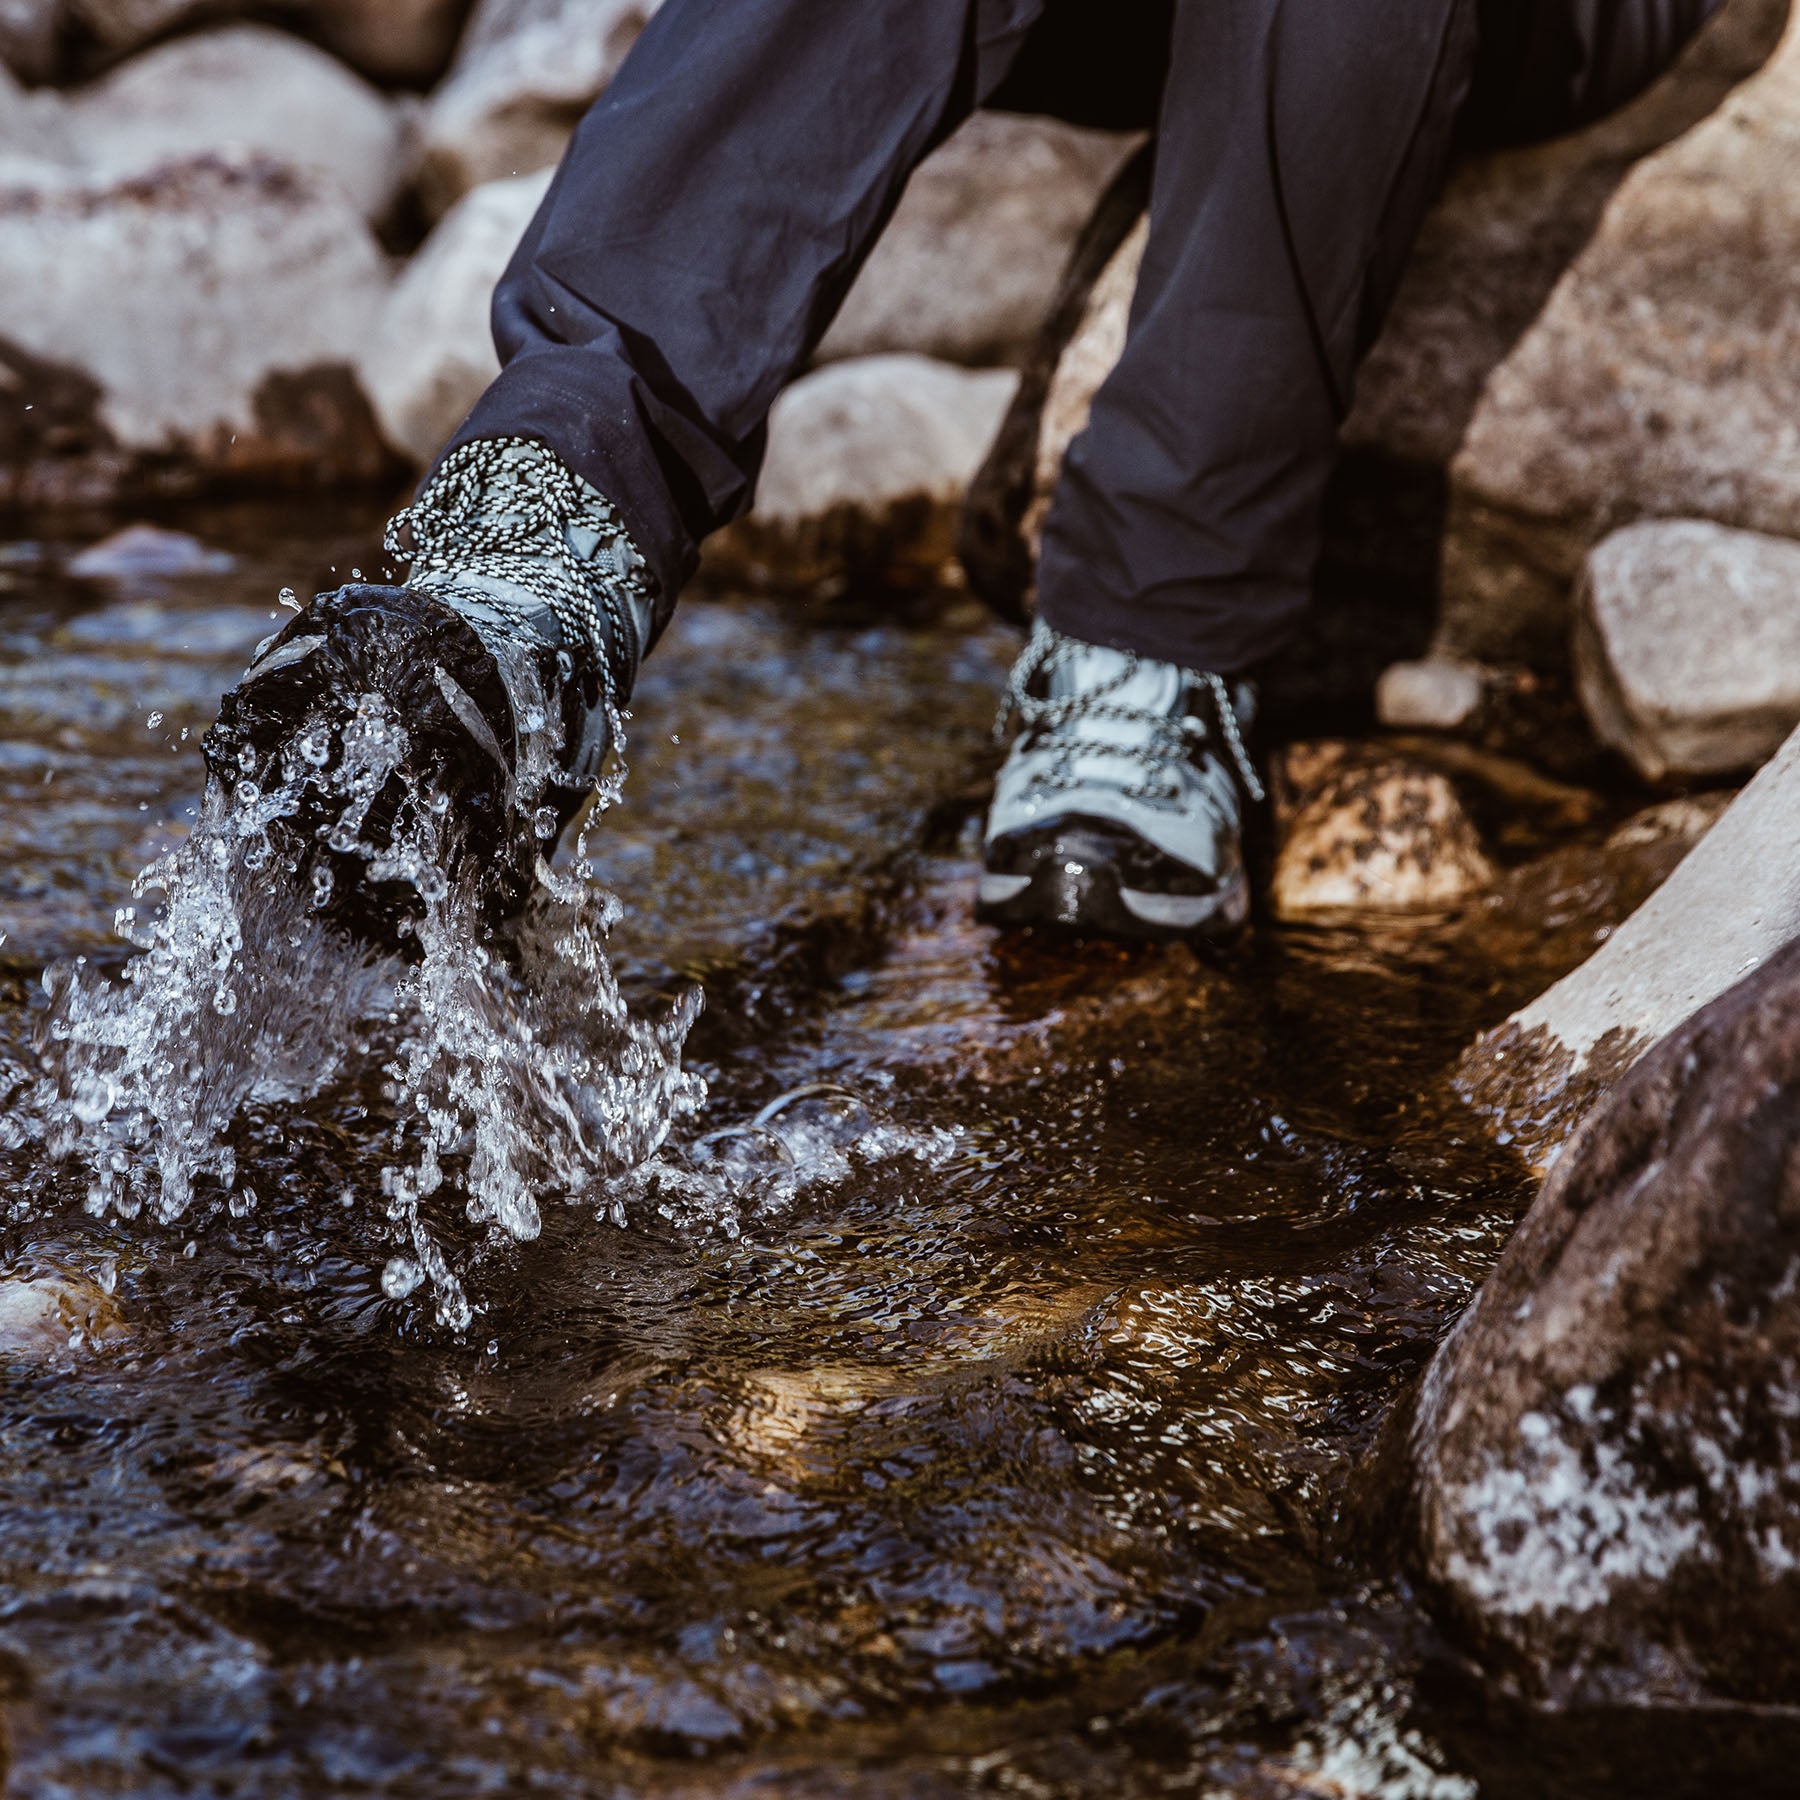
{"points": [[998, 1435]]}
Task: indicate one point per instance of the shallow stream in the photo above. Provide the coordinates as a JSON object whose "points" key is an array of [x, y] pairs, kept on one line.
{"points": [[975, 1397]]}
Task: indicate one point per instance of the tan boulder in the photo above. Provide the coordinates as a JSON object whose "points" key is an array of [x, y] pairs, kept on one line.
{"points": [[1687, 646], [1662, 378], [242, 88], [867, 465], [432, 352], [525, 72], [968, 267], [187, 326]]}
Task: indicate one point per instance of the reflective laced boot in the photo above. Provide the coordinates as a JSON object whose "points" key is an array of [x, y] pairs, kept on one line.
{"points": [[484, 690], [1119, 811]]}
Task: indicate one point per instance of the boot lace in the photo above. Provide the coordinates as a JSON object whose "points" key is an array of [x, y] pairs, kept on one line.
{"points": [[1052, 721], [502, 508]]}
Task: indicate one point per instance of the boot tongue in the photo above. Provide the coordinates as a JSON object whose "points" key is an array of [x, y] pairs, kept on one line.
{"points": [[1152, 687]]}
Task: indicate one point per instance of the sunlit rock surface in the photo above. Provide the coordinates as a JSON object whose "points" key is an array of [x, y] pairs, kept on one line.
{"points": [[1366, 834], [969, 264], [186, 326], [525, 72], [1607, 1453], [1732, 903], [1687, 646], [867, 464], [432, 353], [243, 88], [48, 1313]]}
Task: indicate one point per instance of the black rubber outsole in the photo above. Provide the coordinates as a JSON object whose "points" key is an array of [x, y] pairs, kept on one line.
{"points": [[1088, 902], [393, 642]]}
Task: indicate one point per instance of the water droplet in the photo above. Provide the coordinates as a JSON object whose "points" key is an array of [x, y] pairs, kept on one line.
{"points": [[289, 599], [190, 1249], [154, 720], [400, 1277]]}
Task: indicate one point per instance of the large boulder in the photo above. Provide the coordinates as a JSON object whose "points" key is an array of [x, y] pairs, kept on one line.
{"points": [[1662, 379], [1730, 906], [525, 72], [866, 469], [433, 351], [183, 328], [968, 266], [244, 87], [1687, 646], [1607, 1448], [1487, 257]]}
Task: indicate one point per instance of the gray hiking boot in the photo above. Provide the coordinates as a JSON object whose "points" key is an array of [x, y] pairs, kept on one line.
{"points": [[1119, 811], [504, 658]]}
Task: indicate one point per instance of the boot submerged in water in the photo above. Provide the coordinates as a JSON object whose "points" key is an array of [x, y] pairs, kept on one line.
{"points": [[1119, 811], [469, 710]]}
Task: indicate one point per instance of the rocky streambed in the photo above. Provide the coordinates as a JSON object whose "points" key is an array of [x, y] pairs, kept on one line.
{"points": [[1004, 1383]]}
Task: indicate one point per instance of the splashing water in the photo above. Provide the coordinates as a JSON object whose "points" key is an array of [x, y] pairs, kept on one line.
{"points": [[510, 1082]]}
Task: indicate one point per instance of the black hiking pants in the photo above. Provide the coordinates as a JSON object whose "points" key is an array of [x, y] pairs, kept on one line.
{"points": [[718, 199]]}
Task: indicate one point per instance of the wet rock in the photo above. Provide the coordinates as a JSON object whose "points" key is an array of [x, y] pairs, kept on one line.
{"points": [[244, 88], [968, 267], [525, 72], [866, 469], [433, 351], [1606, 1451], [1382, 836], [1687, 646], [1730, 905], [49, 1312], [1433, 695], [1660, 380], [140, 551], [191, 326]]}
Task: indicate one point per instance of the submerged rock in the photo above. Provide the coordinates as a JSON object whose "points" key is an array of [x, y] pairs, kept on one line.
{"points": [[866, 469], [1730, 905], [1607, 1448], [50, 1312], [525, 72], [139, 551], [433, 352], [244, 88], [191, 325], [968, 267], [1380, 836], [1687, 646]]}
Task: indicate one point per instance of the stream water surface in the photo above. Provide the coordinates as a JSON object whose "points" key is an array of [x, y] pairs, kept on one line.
{"points": [[971, 1394]]}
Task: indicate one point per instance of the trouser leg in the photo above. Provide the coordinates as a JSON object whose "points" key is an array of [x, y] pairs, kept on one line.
{"points": [[705, 223], [1298, 149]]}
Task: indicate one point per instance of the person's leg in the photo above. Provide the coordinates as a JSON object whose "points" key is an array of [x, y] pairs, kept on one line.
{"points": [[1298, 148], [703, 227]]}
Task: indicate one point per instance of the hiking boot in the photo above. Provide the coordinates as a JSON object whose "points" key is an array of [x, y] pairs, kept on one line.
{"points": [[469, 710], [1119, 811]]}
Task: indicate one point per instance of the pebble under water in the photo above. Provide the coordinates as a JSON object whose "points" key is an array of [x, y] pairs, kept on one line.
{"points": [[945, 1365]]}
